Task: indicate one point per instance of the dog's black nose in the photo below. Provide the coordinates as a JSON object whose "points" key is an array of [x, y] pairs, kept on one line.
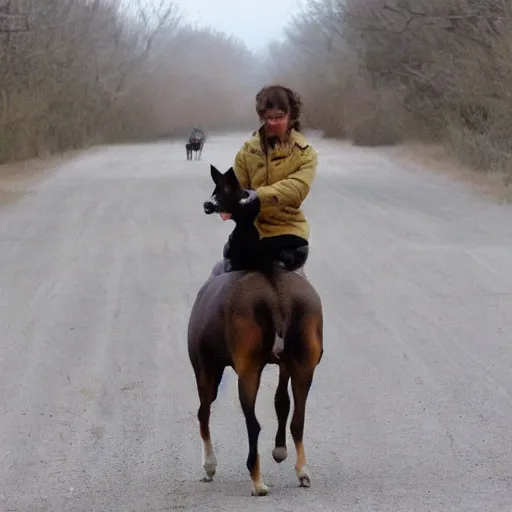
{"points": [[210, 207]]}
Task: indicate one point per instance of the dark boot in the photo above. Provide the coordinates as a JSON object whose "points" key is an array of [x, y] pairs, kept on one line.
{"points": [[294, 259]]}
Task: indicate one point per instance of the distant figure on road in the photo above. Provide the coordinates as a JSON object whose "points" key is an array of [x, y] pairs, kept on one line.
{"points": [[195, 143], [278, 165], [196, 135]]}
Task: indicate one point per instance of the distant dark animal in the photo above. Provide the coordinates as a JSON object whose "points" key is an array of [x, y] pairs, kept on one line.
{"points": [[195, 143], [235, 321], [194, 146]]}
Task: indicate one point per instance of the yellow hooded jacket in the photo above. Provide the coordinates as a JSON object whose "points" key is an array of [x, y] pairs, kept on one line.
{"points": [[282, 179]]}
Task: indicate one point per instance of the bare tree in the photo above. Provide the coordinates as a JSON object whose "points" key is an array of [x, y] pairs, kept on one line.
{"points": [[391, 68], [89, 71]]}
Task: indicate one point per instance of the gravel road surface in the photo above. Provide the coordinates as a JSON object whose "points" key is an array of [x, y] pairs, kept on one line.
{"points": [[100, 261]]}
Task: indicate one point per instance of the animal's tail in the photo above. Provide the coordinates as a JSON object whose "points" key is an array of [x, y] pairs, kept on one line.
{"points": [[278, 313], [278, 317], [270, 313]]}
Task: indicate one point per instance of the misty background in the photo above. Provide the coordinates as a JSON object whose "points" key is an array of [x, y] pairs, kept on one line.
{"points": [[74, 73]]}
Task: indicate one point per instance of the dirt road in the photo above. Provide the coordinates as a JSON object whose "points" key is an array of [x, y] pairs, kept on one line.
{"points": [[411, 409]]}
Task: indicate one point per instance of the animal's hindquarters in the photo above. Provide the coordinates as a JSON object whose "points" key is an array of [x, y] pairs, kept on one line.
{"points": [[253, 313]]}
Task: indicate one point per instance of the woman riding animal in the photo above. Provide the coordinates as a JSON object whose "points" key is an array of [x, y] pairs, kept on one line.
{"points": [[278, 165], [240, 313]]}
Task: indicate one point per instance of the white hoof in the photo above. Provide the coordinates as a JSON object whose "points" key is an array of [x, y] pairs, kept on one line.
{"points": [[210, 466], [259, 489], [304, 477]]}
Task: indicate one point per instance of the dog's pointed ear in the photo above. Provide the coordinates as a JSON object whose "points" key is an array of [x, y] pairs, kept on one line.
{"points": [[231, 178], [216, 174]]}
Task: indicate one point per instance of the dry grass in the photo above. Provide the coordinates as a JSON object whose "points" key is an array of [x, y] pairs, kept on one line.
{"points": [[381, 72], [91, 71], [18, 178], [440, 160]]}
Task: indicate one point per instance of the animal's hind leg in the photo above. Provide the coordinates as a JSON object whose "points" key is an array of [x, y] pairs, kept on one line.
{"points": [[301, 382], [282, 407], [248, 385], [208, 380], [302, 377], [247, 353]]}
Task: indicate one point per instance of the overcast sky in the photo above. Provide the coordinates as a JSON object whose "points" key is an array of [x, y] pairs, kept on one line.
{"points": [[256, 22]]}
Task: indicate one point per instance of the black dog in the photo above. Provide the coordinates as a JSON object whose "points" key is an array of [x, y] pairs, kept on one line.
{"points": [[244, 248]]}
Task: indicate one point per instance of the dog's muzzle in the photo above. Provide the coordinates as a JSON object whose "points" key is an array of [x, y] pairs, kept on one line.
{"points": [[211, 206]]}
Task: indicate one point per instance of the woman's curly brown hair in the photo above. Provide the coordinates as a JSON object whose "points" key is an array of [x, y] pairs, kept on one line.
{"points": [[282, 98]]}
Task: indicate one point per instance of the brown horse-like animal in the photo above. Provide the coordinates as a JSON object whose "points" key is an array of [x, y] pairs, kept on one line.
{"points": [[234, 322]]}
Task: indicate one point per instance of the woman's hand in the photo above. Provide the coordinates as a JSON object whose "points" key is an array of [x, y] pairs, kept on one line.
{"points": [[251, 197]]}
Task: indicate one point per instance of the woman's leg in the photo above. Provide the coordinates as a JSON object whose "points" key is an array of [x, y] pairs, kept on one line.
{"points": [[294, 259]]}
